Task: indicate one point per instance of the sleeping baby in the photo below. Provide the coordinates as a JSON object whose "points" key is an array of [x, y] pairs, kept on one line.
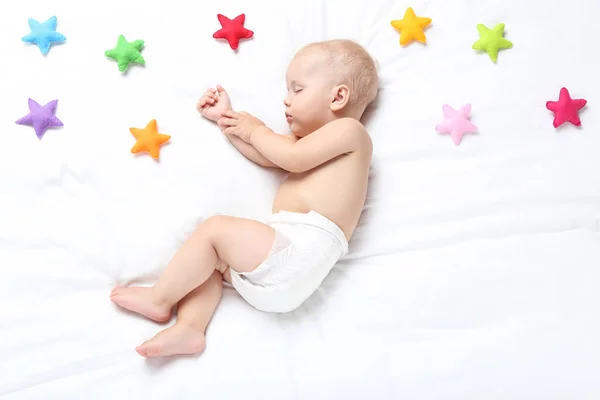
{"points": [[277, 265]]}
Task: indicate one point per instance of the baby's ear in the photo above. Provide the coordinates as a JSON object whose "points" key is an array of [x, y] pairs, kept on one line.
{"points": [[341, 96]]}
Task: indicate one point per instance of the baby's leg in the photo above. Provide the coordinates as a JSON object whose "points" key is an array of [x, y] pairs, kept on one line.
{"points": [[194, 312], [241, 243]]}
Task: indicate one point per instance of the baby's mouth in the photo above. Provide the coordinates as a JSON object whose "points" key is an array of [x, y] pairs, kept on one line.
{"points": [[288, 117]]}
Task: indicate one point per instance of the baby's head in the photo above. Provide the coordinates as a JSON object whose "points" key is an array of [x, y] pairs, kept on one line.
{"points": [[326, 81]]}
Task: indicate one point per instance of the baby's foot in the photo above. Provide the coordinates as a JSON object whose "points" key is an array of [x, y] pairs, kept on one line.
{"points": [[141, 301], [181, 338]]}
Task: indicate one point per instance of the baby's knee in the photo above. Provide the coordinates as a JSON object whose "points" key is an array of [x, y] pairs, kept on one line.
{"points": [[209, 227], [212, 222]]}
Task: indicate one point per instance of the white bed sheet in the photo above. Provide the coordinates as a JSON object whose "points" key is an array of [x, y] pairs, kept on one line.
{"points": [[473, 273]]}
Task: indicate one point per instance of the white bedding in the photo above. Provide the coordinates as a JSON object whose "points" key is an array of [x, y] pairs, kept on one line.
{"points": [[473, 273]]}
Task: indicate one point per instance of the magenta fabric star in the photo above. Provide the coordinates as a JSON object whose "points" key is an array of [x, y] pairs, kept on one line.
{"points": [[566, 109], [41, 117], [456, 123]]}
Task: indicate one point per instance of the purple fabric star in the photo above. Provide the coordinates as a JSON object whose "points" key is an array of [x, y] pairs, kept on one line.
{"points": [[41, 117]]}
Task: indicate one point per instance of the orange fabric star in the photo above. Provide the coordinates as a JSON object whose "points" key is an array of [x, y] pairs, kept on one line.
{"points": [[148, 139], [411, 27]]}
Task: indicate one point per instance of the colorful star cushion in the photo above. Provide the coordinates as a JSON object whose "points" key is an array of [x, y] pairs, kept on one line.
{"points": [[411, 27], [148, 139], [566, 109], [491, 40], [43, 34], [233, 30], [41, 117], [126, 52], [456, 123]]}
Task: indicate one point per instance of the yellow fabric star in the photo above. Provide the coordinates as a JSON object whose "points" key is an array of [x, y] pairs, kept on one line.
{"points": [[411, 27], [148, 139]]}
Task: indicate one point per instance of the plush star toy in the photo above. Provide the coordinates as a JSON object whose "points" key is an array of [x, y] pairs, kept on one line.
{"points": [[41, 117], [233, 30], [566, 109], [126, 53], [148, 139], [491, 40], [411, 27], [43, 34], [456, 123]]}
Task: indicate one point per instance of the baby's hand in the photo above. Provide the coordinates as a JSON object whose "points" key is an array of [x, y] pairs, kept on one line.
{"points": [[240, 124], [214, 103]]}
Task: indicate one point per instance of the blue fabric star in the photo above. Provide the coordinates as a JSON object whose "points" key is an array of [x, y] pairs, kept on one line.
{"points": [[43, 34]]}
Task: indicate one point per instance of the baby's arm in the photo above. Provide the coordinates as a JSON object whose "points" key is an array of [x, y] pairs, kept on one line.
{"points": [[254, 155], [212, 105], [250, 152], [338, 137]]}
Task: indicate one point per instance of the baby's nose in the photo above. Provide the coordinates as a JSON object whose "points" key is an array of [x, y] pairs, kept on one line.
{"points": [[286, 102]]}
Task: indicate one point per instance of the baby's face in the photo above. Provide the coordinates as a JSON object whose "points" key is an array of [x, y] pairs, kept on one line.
{"points": [[309, 86]]}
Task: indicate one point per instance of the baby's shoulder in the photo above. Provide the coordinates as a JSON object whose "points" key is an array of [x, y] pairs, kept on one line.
{"points": [[355, 130], [351, 127]]}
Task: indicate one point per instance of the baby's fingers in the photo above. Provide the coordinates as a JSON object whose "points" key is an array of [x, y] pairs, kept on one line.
{"points": [[207, 100], [230, 130], [231, 114], [210, 93], [224, 121]]}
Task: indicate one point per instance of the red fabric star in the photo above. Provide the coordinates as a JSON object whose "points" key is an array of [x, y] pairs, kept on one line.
{"points": [[233, 30], [566, 108]]}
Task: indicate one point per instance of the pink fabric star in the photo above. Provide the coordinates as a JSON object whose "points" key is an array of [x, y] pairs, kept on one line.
{"points": [[566, 109], [233, 30], [456, 123]]}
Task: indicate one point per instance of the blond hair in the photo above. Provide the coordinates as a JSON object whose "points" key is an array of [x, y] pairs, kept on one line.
{"points": [[354, 67]]}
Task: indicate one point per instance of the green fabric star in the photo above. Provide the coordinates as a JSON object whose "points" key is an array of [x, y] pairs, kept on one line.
{"points": [[491, 40], [126, 53]]}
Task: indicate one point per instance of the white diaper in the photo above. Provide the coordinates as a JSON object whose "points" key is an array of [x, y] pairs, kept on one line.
{"points": [[306, 248]]}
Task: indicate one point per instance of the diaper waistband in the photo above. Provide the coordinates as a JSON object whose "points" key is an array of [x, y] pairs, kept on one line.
{"points": [[312, 218]]}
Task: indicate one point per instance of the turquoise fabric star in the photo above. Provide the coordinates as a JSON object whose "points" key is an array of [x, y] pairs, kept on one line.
{"points": [[43, 34]]}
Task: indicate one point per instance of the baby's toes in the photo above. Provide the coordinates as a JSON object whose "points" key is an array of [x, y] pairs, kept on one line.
{"points": [[141, 350], [116, 292]]}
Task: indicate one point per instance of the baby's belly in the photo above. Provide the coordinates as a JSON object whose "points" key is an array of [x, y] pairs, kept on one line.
{"points": [[289, 198], [300, 197]]}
